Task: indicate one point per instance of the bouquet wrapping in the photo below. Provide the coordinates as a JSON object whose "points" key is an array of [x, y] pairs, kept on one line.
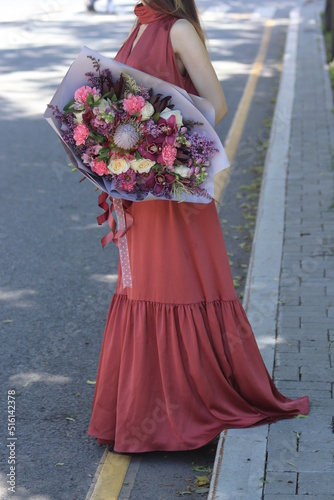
{"points": [[135, 137]]}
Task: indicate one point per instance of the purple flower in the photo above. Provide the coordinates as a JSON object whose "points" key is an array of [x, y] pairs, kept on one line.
{"points": [[158, 183], [146, 181], [168, 128], [126, 181], [152, 129], [200, 148], [151, 148], [163, 183]]}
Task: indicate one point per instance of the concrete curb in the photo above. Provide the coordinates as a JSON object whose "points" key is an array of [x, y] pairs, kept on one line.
{"points": [[241, 453]]}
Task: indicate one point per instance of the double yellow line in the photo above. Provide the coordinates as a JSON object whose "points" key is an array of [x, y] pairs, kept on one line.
{"points": [[109, 477]]}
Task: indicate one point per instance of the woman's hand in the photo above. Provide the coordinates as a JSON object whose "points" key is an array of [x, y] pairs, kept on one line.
{"points": [[188, 47]]}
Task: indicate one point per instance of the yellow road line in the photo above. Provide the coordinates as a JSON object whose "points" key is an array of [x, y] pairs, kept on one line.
{"points": [[238, 124], [109, 476]]}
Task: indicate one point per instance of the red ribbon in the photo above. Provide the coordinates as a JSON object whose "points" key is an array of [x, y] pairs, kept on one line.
{"points": [[124, 222]]}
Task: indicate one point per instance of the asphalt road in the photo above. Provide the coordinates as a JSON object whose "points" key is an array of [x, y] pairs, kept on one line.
{"points": [[55, 281]]}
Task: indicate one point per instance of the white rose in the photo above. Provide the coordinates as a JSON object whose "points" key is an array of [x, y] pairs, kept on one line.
{"points": [[147, 111], [103, 105], [78, 117], [142, 166], [118, 166], [182, 171], [167, 113]]}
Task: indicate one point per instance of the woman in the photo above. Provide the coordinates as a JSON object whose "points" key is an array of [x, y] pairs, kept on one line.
{"points": [[179, 362]]}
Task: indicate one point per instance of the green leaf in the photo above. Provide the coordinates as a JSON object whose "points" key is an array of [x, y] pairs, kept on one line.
{"points": [[90, 99], [202, 481], [202, 468], [97, 137], [91, 382], [249, 216], [301, 416], [245, 247], [68, 105], [104, 154], [109, 95], [202, 490]]}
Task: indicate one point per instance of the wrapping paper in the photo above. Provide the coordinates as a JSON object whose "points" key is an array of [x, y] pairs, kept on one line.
{"points": [[192, 108]]}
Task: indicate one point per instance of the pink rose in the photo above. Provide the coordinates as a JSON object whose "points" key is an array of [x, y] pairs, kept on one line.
{"points": [[99, 167], [82, 93], [133, 104], [169, 153], [81, 132]]}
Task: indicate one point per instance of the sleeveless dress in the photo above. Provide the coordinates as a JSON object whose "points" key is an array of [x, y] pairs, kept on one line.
{"points": [[179, 362]]}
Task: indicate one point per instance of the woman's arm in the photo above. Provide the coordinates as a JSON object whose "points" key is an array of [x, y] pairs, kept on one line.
{"points": [[188, 46]]}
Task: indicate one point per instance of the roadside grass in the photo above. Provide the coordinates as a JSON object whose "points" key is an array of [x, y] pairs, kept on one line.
{"points": [[330, 61], [328, 41]]}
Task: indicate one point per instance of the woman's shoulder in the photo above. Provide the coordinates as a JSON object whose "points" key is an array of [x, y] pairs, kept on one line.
{"points": [[182, 31], [183, 34], [183, 27]]}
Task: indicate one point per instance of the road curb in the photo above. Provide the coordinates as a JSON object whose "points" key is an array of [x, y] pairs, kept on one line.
{"points": [[241, 453]]}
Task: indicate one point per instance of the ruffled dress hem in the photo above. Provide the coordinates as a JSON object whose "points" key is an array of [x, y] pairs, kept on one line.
{"points": [[164, 387]]}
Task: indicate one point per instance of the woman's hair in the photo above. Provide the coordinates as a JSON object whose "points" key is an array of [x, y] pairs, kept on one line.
{"points": [[184, 9]]}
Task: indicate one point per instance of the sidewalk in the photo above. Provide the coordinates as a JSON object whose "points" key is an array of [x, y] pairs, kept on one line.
{"points": [[290, 289]]}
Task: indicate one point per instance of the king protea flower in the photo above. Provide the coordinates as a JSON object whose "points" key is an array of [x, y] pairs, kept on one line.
{"points": [[126, 136]]}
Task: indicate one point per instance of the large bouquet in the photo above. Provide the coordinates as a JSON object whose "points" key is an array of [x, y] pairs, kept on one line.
{"points": [[133, 138], [133, 135]]}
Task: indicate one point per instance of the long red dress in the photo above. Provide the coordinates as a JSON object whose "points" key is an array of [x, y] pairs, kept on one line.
{"points": [[179, 362]]}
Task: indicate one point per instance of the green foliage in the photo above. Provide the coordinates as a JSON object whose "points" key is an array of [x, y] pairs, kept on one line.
{"points": [[331, 73], [328, 45], [130, 83]]}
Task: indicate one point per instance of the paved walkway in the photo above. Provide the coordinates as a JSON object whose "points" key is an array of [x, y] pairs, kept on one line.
{"points": [[293, 320]]}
